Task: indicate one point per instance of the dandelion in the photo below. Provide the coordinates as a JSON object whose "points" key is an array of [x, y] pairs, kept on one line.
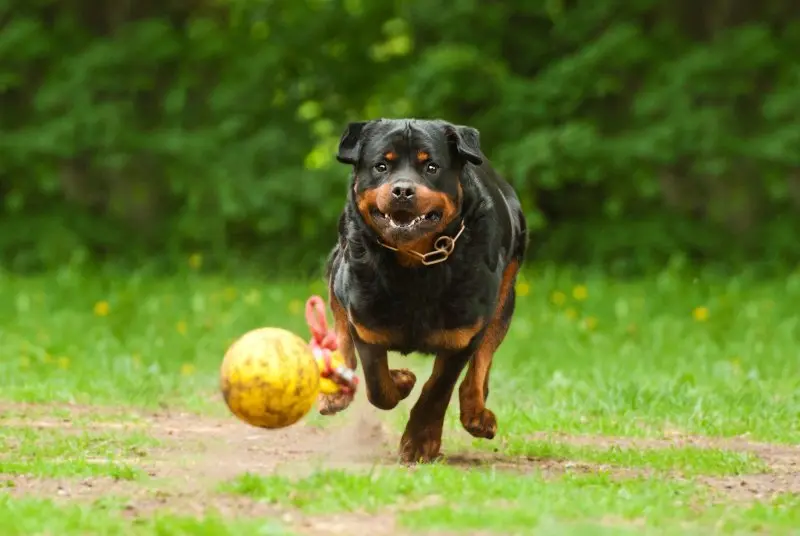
{"points": [[181, 327], [590, 323], [523, 288], [63, 363], [187, 369], [295, 306], [195, 261], [230, 294], [580, 292], [253, 297], [700, 314], [571, 313], [558, 298], [101, 308]]}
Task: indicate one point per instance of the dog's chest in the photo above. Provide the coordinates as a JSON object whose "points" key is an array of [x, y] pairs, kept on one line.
{"points": [[425, 313]]}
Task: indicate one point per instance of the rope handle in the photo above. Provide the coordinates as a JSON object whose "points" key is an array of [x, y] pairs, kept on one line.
{"points": [[323, 343]]}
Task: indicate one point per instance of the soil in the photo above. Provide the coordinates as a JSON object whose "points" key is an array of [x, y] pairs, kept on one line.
{"points": [[782, 460], [197, 453]]}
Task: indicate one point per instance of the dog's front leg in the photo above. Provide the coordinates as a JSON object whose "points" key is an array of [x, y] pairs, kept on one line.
{"points": [[422, 438], [385, 388]]}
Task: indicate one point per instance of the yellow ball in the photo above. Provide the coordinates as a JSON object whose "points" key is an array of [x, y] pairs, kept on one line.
{"points": [[269, 378]]}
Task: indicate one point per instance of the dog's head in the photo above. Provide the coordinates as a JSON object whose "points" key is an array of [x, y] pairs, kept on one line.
{"points": [[407, 175]]}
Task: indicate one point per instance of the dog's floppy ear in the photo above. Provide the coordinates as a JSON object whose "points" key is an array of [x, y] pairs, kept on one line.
{"points": [[467, 141], [350, 143]]}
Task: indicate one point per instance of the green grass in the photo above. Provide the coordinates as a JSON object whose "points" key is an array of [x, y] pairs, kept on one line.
{"points": [[686, 460], [674, 353], [60, 453], [629, 359], [491, 500], [33, 517]]}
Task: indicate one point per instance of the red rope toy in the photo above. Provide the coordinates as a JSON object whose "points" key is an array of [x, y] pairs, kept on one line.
{"points": [[323, 343]]}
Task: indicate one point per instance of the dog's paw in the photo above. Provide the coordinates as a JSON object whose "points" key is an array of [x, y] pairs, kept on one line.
{"points": [[330, 404], [481, 423], [404, 380], [420, 447]]}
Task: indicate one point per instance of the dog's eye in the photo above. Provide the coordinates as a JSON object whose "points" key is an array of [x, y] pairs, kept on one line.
{"points": [[380, 167], [431, 168]]}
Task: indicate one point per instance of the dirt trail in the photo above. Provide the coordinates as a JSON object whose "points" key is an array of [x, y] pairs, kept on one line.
{"points": [[783, 460], [197, 453]]}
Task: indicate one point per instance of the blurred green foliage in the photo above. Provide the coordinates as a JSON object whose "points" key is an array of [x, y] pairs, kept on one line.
{"points": [[636, 131]]}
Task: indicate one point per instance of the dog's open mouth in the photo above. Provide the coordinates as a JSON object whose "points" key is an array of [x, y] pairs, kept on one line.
{"points": [[404, 219]]}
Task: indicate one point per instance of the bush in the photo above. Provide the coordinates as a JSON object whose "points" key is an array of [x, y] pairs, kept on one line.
{"points": [[634, 130]]}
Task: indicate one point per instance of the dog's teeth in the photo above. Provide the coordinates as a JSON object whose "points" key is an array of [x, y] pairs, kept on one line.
{"points": [[410, 223]]}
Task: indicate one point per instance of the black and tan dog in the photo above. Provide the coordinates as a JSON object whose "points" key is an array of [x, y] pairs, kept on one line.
{"points": [[430, 242]]}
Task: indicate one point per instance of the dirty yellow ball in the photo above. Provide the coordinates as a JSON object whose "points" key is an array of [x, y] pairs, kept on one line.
{"points": [[269, 378]]}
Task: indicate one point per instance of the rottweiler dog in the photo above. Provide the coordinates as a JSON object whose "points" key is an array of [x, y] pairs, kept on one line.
{"points": [[430, 242]]}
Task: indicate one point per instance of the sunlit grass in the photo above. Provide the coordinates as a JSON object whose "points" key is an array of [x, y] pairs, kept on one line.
{"points": [[663, 356]]}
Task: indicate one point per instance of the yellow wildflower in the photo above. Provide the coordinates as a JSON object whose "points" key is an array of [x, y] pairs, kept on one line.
{"points": [[195, 261], [230, 293], [253, 297], [101, 308], [182, 327], [63, 363], [580, 292], [187, 369], [590, 323], [295, 306], [558, 297], [523, 288], [700, 314], [571, 313], [136, 359], [24, 362]]}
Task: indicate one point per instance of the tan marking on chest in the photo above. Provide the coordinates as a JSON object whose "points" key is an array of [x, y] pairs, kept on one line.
{"points": [[371, 336], [454, 339]]}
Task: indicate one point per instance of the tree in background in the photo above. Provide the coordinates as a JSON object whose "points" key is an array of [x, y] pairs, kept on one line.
{"points": [[636, 131]]}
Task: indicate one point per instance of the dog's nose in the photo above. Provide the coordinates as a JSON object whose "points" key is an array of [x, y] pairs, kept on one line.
{"points": [[403, 191]]}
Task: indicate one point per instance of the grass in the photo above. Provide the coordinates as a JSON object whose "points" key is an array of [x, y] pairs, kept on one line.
{"points": [[675, 353], [686, 460], [26, 517], [490, 500], [59, 453]]}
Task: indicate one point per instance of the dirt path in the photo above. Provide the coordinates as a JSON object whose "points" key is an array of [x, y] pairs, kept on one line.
{"points": [[197, 453], [783, 460]]}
